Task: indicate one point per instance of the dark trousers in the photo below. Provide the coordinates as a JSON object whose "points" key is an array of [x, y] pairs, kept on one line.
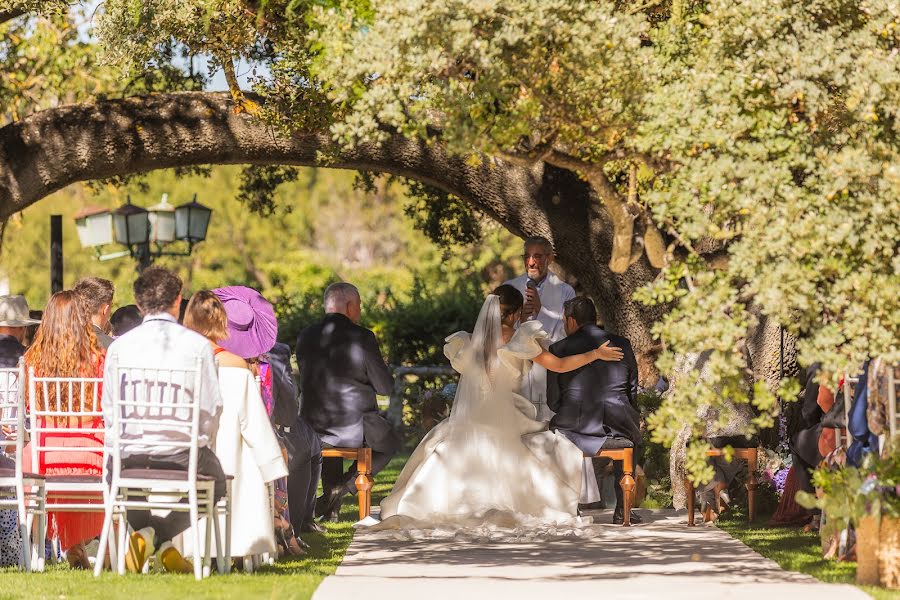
{"points": [[175, 522], [304, 451], [301, 488], [601, 466]]}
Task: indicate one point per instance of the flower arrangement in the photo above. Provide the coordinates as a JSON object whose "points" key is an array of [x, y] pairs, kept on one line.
{"points": [[851, 493], [774, 468]]}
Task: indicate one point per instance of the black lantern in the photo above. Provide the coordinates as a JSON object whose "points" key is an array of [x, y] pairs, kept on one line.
{"points": [[192, 221], [131, 225]]}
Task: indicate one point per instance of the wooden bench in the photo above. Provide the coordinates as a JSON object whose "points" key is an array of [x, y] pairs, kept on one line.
{"points": [[750, 455], [626, 457], [364, 480]]}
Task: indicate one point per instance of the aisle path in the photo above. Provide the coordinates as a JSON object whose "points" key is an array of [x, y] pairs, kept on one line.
{"points": [[660, 559]]}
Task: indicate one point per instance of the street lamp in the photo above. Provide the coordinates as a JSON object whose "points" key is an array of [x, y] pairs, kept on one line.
{"points": [[192, 221], [94, 226], [145, 232]]}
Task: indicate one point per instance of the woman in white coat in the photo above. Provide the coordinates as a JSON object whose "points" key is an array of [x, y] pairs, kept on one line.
{"points": [[246, 445]]}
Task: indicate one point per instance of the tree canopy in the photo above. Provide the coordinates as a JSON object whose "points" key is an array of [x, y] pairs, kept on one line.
{"points": [[733, 163]]}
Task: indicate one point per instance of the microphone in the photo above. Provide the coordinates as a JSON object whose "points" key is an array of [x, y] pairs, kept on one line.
{"points": [[530, 284]]}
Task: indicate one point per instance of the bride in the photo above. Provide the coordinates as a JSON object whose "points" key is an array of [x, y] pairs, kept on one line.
{"points": [[490, 463]]}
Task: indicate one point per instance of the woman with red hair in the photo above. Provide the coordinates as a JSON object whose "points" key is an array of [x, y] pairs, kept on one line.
{"points": [[65, 346]]}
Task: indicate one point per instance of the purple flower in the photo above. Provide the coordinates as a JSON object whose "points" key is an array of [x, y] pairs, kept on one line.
{"points": [[780, 479]]}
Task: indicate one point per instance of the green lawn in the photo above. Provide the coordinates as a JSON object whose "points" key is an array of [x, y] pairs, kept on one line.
{"points": [[794, 550], [287, 580]]}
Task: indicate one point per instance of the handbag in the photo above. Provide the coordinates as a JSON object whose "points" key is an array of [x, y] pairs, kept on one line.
{"points": [[835, 417]]}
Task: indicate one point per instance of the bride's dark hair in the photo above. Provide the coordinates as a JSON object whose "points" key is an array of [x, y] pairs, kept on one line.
{"points": [[510, 300]]}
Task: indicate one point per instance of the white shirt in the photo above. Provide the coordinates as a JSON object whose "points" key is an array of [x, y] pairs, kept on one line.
{"points": [[553, 292], [161, 343]]}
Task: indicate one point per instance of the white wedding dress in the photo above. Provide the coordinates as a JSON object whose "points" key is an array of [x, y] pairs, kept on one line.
{"points": [[489, 469]]}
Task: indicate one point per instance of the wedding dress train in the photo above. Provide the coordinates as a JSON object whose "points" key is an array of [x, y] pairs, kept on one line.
{"points": [[490, 468]]}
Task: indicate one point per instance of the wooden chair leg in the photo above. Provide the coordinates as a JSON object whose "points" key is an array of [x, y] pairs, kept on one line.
{"points": [[751, 484], [689, 492], [628, 485], [364, 482]]}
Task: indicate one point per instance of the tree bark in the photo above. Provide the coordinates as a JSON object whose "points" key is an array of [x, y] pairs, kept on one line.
{"points": [[54, 148]]}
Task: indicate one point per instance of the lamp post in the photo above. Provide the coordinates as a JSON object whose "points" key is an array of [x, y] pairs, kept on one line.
{"points": [[145, 232]]}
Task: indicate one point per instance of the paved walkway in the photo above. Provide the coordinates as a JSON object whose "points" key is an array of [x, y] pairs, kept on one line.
{"points": [[662, 558]]}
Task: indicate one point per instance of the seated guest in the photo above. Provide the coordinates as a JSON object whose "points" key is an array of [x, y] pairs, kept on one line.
{"points": [[161, 343], [245, 442], [806, 428], [97, 295], [596, 405], [14, 321], [125, 319], [304, 450], [65, 346], [341, 371]]}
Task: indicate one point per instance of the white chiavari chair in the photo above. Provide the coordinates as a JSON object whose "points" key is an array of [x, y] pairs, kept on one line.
{"points": [[23, 492], [148, 401], [65, 422]]}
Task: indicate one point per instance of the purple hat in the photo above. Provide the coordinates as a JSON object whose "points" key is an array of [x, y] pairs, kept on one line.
{"points": [[252, 327]]}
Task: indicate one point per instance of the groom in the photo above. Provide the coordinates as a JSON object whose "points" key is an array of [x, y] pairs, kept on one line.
{"points": [[596, 405], [341, 371]]}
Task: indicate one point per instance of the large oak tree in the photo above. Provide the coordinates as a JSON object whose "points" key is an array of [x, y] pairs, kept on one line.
{"points": [[732, 165]]}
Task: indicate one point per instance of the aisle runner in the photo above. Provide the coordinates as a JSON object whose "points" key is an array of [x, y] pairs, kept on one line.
{"points": [[660, 559]]}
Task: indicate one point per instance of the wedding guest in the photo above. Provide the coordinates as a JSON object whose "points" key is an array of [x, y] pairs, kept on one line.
{"points": [[245, 443], [864, 441], [65, 346], [125, 319], [14, 320], [341, 371], [161, 343], [304, 449], [595, 406], [544, 295], [97, 294], [279, 393]]}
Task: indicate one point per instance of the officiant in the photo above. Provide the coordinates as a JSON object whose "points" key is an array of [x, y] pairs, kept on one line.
{"points": [[544, 295]]}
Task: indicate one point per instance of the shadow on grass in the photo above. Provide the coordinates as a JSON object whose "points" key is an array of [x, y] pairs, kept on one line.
{"points": [[795, 550], [288, 579]]}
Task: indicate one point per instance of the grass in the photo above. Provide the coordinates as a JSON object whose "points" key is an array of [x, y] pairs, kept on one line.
{"points": [[794, 550], [287, 580]]}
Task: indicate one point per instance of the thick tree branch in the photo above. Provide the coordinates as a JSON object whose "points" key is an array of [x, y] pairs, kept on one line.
{"points": [[616, 206], [9, 15], [57, 147]]}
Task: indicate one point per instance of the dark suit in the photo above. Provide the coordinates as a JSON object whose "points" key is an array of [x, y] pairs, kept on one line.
{"points": [[804, 429], [341, 371], [598, 401]]}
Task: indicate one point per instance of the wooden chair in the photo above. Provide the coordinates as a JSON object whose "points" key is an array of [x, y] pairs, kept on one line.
{"points": [[750, 455], [626, 456], [364, 480]]}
